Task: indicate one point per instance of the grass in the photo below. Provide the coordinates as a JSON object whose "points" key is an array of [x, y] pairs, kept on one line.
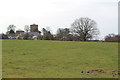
{"points": [[58, 59]]}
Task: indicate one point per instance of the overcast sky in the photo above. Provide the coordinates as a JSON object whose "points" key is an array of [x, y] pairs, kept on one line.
{"points": [[59, 14]]}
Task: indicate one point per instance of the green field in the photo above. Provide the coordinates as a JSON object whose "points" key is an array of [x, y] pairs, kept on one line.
{"points": [[59, 59]]}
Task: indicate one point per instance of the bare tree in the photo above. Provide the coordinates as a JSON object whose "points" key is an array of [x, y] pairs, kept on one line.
{"points": [[11, 29], [27, 28], [47, 35], [63, 34], [85, 28], [112, 38]]}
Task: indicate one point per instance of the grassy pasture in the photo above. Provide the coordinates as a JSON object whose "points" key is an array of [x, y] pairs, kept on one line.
{"points": [[58, 59]]}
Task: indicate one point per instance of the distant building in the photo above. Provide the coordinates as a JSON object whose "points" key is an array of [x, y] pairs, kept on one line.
{"points": [[19, 31], [32, 35], [20, 34], [33, 28]]}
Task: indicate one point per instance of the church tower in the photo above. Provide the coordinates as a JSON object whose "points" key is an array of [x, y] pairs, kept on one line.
{"points": [[33, 28]]}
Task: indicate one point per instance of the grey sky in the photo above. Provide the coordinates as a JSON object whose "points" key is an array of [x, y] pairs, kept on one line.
{"points": [[59, 13]]}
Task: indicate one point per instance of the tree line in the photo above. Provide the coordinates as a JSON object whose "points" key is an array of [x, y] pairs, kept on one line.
{"points": [[82, 29]]}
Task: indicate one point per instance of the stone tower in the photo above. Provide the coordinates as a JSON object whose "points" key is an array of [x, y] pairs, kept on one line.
{"points": [[33, 28]]}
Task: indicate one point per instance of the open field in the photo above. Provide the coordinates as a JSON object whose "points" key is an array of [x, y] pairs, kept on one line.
{"points": [[59, 59]]}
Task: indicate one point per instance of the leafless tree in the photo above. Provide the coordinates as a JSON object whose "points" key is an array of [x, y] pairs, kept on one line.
{"points": [[27, 28], [47, 35], [112, 38], [11, 29], [85, 28], [64, 34]]}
